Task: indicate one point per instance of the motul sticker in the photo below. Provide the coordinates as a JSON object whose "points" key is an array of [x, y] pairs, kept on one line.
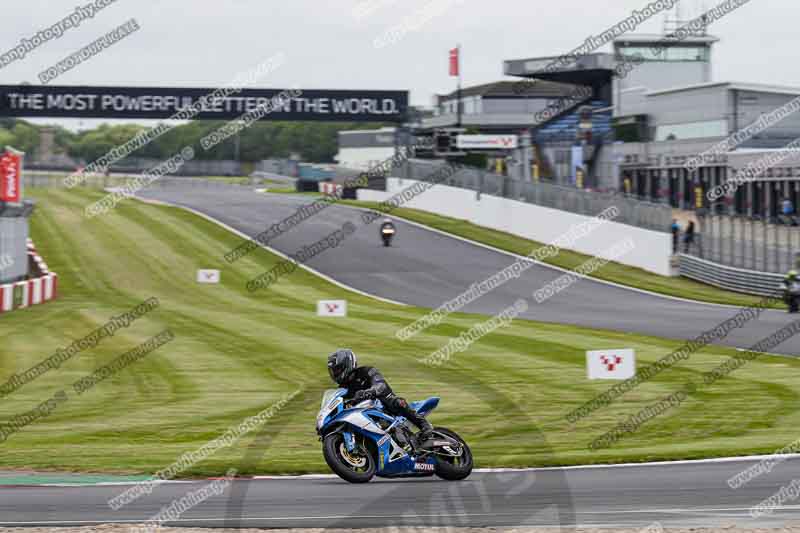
{"points": [[424, 467]]}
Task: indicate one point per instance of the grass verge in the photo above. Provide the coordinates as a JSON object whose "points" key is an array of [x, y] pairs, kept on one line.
{"points": [[236, 353]]}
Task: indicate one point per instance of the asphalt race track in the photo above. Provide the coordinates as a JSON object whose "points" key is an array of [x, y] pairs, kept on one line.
{"points": [[426, 268], [681, 494]]}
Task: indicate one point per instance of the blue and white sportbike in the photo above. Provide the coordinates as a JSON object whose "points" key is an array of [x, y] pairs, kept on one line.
{"points": [[361, 441]]}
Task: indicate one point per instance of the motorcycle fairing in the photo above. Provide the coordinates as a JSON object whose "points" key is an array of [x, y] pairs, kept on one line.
{"points": [[393, 461], [425, 406]]}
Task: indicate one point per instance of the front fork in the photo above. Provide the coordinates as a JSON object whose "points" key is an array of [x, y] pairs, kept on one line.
{"points": [[349, 441]]}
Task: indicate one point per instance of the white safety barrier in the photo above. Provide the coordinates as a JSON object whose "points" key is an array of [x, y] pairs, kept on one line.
{"points": [[651, 251], [42, 287]]}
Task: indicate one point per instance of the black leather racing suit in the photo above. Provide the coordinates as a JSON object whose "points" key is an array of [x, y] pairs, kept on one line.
{"points": [[790, 286], [368, 378]]}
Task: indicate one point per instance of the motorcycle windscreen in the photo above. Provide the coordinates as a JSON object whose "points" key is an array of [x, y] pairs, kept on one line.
{"points": [[329, 395]]}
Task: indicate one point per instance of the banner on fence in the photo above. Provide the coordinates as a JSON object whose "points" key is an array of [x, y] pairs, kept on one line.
{"points": [[11, 177]]}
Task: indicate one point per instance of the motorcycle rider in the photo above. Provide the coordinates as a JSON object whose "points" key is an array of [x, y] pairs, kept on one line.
{"points": [[365, 382], [791, 291], [387, 224], [387, 230]]}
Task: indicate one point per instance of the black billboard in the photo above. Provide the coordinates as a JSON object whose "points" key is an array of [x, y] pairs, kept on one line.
{"points": [[165, 102]]}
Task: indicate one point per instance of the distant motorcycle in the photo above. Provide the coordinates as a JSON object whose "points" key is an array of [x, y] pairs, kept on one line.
{"points": [[387, 233], [362, 441], [791, 295]]}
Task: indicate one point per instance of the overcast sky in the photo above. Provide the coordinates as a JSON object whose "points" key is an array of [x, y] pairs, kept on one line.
{"points": [[331, 44]]}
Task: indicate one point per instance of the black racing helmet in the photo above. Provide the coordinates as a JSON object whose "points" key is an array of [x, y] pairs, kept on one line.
{"points": [[341, 364]]}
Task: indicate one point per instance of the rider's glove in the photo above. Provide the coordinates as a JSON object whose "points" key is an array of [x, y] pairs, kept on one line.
{"points": [[364, 395]]}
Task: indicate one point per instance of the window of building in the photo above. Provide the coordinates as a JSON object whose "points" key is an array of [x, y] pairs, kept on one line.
{"points": [[671, 54], [469, 106], [692, 130], [473, 105]]}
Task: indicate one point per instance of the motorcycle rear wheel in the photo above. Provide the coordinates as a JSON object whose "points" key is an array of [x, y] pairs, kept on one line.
{"points": [[453, 468], [357, 466]]}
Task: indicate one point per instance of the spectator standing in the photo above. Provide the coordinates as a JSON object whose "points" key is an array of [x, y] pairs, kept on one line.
{"points": [[787, 210], [787, 207], [688, 239], [676, 235]]}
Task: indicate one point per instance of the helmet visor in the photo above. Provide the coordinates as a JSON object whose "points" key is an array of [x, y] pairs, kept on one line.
{"points": [[335, 371]]}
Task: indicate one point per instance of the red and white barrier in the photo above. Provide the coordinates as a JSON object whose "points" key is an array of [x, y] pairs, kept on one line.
{"points": [[6, 298], [41, 288], [330, 188]]}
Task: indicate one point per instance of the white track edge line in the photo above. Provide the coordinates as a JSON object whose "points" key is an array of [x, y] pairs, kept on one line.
{"points": [[270, 249], [417, 516], [585, 467], [718, 460]]}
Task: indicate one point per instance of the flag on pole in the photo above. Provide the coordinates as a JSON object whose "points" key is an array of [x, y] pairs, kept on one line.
{"points": [[454, 62]]}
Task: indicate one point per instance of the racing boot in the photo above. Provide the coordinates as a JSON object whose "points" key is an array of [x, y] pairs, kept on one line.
{"points": [[425, 431]]}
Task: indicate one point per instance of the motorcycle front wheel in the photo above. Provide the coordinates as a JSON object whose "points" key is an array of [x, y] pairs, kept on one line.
{"points": [[357, 466], [453, 466]]}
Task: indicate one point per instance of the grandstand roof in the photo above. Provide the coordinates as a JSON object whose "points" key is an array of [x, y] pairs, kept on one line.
{"points": [[541, 66], [511, 89], [591, 70]]}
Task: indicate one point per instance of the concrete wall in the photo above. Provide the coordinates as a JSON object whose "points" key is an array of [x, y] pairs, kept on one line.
{"points": [[631, 101], [659, 75], [13, 248], [363, 158], [753, 104], [714, 103], [651, 250], [368, 138], [514, 105], [687, 106]]}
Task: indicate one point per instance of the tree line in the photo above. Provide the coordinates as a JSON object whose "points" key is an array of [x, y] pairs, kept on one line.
{"points": [[313, 141]]}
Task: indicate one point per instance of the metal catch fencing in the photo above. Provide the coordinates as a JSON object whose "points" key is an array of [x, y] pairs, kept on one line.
{"points": [[743, 243], [648, 215]]}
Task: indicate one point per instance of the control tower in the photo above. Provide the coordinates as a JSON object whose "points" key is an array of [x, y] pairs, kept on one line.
{"points": [[662, 62]]}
